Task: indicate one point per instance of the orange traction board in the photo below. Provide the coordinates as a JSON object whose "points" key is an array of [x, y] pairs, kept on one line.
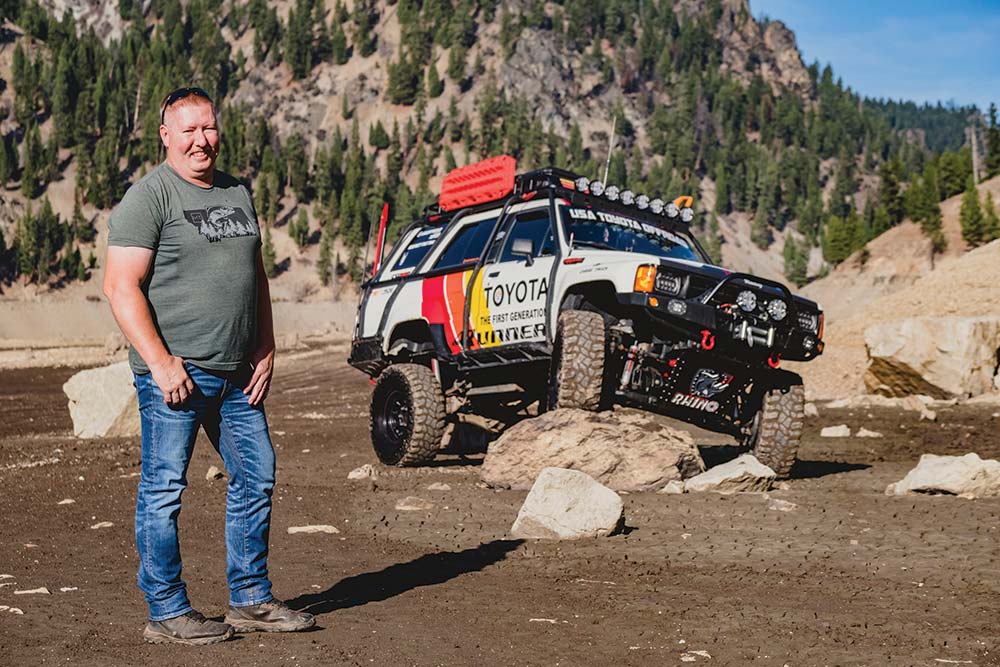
{"points": [[478, 183]]}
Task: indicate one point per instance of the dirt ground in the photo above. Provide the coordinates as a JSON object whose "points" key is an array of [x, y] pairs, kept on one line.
{"points": [[849, 577]]}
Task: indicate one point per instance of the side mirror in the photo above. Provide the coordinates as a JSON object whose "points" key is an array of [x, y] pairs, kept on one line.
{"points": [[523, 248]]}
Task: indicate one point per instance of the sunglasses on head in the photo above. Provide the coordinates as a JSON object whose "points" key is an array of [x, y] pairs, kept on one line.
{"points": [[180, 94]]}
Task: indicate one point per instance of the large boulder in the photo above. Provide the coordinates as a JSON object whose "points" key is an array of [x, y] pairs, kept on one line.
{"points": [[968, 476], [568, 505], [102, 402], [626, 450], [744, 473], [942, 357]]}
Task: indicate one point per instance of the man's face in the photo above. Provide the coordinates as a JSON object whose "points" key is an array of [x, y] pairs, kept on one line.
{"points": [[191, 137]]}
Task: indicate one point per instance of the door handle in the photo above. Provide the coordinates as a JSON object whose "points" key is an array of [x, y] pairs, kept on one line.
{"points": [[493, 275]]}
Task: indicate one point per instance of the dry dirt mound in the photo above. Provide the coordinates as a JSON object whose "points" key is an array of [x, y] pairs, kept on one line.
{"points": [[894, 261], [962, 286]]}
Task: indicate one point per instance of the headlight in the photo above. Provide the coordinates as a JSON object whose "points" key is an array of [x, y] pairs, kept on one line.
{"points": [[808, 321], [612, 192], [668, 283], [777, 309], [582, 183], [596, 188], [747, 301], [628, 197]]}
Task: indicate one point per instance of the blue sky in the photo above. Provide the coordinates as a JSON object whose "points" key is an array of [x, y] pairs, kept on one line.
{"points": [[920, 50]]}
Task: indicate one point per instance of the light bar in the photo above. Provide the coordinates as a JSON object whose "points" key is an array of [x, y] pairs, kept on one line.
{"points": [[596, 188], [612, 193]]}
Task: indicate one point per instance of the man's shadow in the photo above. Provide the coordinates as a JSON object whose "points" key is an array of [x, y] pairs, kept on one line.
{"points": [[394, 580]]}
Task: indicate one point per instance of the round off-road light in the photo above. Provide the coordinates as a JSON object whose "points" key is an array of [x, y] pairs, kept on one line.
{"points": [[628, 197], [808, 343], [777, 309], [642, 201], [687, 214], [596, 188], [671, 210], [747, 301], [675, 307], [612, 193], [656, 206], [582, 183]]}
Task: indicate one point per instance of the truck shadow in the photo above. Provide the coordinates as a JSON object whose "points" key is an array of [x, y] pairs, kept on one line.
{"points": [[427, 570], [714, 455]]}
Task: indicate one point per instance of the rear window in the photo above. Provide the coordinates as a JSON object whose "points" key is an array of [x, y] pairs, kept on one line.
{"points": [[418, 248]]}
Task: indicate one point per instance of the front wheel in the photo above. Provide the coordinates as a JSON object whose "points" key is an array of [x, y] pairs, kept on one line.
{"points": [[777, 429], [578, 361], [407, 415]]}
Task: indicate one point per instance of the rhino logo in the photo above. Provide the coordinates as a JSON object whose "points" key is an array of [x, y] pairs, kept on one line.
{"points": [[221, 222], [708, 382]]}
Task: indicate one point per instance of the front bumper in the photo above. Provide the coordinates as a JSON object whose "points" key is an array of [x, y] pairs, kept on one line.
{"points": [[733, 332]]}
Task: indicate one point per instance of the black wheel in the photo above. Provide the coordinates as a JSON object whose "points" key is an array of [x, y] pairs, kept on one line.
{"points": [[777, 429], [407, 415], [578, 361]]}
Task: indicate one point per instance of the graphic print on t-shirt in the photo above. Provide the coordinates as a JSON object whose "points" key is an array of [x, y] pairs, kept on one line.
{"points": [[221, 222]]}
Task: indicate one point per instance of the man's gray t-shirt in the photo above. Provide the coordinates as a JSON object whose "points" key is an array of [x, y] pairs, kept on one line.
{"points": [[202, 286]]}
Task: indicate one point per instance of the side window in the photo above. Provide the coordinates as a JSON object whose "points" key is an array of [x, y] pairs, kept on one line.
{"points": [[467, 246], [534, 226], [417, 249]]}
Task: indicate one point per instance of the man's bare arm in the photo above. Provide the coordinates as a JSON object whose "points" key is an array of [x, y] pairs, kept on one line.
{"points": [[263, 355], [125, 270]]}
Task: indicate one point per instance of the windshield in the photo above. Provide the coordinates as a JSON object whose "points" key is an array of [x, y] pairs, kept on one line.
{"points": [[592, 228]]}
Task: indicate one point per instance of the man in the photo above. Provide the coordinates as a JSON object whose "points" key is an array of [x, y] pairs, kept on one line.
{"points": [[186, 284]]}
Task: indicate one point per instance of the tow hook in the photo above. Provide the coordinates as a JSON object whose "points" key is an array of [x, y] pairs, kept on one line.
{"points": [[707, 339], [774, 360]]}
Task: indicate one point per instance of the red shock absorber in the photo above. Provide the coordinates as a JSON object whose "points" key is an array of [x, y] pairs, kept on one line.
{"points": [[774, 360], [707, 339]]}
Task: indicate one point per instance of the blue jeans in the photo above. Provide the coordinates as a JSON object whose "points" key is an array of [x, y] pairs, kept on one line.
{"points": [[238, 431]]}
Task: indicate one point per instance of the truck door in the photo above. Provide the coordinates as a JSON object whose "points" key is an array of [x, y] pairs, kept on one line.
{"points": [[507, 304]]}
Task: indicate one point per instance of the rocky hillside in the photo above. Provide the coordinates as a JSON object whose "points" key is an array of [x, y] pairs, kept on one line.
{"points": [[331, 108]]}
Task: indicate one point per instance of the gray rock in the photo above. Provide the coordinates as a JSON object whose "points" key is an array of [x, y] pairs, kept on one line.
{"points": [[942, 357], [673, 487], [367, 471], [780, 505], [567, 505], [839, 431], [102, 402], [414, 504], [439, 486], [312, 529], [214, 473], [626, 450], [865, 433], [968, 476], [744, 473], [810, 410]]}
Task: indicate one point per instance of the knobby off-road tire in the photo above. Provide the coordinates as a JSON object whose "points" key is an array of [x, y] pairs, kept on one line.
{"points": [[578, 361], [778, 429], [407, 415]]}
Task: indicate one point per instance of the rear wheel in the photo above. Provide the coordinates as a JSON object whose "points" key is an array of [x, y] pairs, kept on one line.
{"points": [[407, 415], [777, 429], [578, 361]]}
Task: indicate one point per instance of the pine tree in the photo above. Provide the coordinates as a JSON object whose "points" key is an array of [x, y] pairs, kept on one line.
{"points": [[27, 245], [267, 253], [377, 136], [991, 224], [456, 63], [796, 261], [324, 267], [839, 240], [993, 143], [299, 229], [970, 216], [435, 85], [713, 240]]}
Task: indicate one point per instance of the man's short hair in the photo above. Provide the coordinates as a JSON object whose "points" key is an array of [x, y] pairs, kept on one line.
{"points": [[183, 97]]}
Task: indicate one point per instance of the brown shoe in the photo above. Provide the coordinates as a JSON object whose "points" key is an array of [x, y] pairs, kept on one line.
{"points": [[271, 616], [191, 628]]}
